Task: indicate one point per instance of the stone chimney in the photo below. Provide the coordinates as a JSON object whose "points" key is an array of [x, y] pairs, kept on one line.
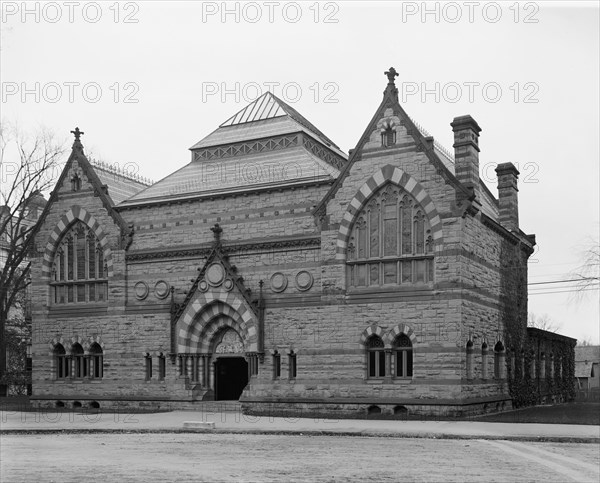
{"points": [[508, 197], [466, 152]]}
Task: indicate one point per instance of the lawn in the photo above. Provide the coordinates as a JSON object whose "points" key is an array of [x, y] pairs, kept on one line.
{"points": [[567, 413]]}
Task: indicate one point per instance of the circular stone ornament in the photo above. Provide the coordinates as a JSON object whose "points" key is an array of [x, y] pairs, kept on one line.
{"points": [[215, 274], [279, 282], [141, 290], [161, 289], [304, 280], [228, 284], [203, 286]]}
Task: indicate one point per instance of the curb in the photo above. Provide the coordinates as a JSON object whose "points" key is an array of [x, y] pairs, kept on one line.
{"points": [[365, 434]]}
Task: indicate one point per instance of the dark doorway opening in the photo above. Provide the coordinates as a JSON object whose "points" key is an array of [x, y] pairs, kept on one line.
{"points": [[231, 377]]}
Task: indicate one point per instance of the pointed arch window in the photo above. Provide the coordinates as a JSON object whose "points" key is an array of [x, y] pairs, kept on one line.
{"points": [[79, 271], [96, 361], [80, 362], [375, 357], [391, 242], [403, 356], [62, 362]]}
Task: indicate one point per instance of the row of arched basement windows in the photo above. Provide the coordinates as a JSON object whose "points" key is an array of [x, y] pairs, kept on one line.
{"points": [[77, 364]]}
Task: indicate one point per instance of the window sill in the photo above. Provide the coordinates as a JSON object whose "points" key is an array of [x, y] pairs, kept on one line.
{"points": [[417, 287]]}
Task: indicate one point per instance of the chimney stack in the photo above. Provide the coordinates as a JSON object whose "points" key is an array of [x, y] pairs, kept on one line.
{"points": [[508, 198], [466, 152]]}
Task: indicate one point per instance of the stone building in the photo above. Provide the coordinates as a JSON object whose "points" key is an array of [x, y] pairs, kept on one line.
{"points": [[276, 270]]}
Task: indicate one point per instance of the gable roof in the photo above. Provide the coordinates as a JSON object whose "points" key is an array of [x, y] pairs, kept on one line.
{"points": [[121, 184], [390, 100], [99, 189]]}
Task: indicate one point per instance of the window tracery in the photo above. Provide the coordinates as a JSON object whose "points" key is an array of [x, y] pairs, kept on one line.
{"points": [[391, 242], [79, 271]]}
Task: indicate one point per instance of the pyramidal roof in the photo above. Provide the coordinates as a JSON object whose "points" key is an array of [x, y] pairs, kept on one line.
{"points": [[264, 117], [266, 144]]}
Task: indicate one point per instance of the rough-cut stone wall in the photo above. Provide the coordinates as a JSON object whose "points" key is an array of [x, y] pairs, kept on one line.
{"points": [[478, 295]]}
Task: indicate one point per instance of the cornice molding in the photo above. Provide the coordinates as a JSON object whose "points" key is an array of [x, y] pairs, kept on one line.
{"points": [[204, 250]]}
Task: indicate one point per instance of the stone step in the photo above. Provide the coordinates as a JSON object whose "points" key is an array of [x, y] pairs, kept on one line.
{"points": [[198, 425]]}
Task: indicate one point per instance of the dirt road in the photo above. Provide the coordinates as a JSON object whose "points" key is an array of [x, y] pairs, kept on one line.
{"points": [[237, 457]]}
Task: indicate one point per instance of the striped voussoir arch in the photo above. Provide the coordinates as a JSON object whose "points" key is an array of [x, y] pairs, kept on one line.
{"points": [[211, 312], [396, 331], [389, 336], [369, 331], [75, 213], [388, 174]]}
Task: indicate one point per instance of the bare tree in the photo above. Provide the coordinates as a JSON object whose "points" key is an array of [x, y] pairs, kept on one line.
{"points": [[543, 322], [587, 275], [28, 168]]}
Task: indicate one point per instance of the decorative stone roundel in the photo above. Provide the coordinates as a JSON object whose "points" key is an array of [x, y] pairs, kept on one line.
{"points": [[304, 280], [203, 286], [278, 282], [161, 289], [228, 284], [141, 290], [215, 274]]}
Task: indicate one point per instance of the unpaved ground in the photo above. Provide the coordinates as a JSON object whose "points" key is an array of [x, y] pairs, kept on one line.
{"points": [[237, 457]]}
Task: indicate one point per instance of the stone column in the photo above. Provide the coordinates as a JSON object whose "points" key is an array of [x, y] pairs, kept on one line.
{"points": [[179, 365], [388, 365]]}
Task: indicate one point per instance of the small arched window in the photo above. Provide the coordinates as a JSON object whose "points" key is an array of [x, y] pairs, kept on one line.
{"points": [[499, 361], [403, 356], [276, 365], [80, 362], [470, 359], [96, 358], [484, 360], [375, 357], [542, 373], [388, 137], [390, 242], [79, 271], [62, 362]]}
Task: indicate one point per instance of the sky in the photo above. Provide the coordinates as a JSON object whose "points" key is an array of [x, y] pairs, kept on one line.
{"points": [[146, 80]]}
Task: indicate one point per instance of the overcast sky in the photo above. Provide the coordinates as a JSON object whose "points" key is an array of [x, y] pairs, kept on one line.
{"points": [[147, 80]]}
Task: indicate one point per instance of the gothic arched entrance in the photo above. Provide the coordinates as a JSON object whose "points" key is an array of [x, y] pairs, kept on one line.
{"points": [[231, 368]]}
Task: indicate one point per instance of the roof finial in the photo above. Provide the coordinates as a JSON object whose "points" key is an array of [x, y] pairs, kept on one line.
{"points": [[77, 143], [391, 75], [217, 230], [77, 133]]}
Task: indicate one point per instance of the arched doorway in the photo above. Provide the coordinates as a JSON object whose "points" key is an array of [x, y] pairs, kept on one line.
{"points": [[231, 369]]}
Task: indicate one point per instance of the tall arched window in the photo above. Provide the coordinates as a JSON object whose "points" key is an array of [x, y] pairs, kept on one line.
{"points": [[390, 242], [79, 268], [80, 363], [62, 362], [96, 358], [403, 356], [375, 357]]}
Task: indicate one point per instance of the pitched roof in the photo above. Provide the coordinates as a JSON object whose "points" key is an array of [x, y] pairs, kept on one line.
{"points": [[264, 117], [587, 353], [121, 184], [584, 369], [265, 145]]}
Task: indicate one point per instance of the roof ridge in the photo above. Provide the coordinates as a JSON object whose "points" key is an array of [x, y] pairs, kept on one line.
{"points": [[269, 106], [300, 119]]}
